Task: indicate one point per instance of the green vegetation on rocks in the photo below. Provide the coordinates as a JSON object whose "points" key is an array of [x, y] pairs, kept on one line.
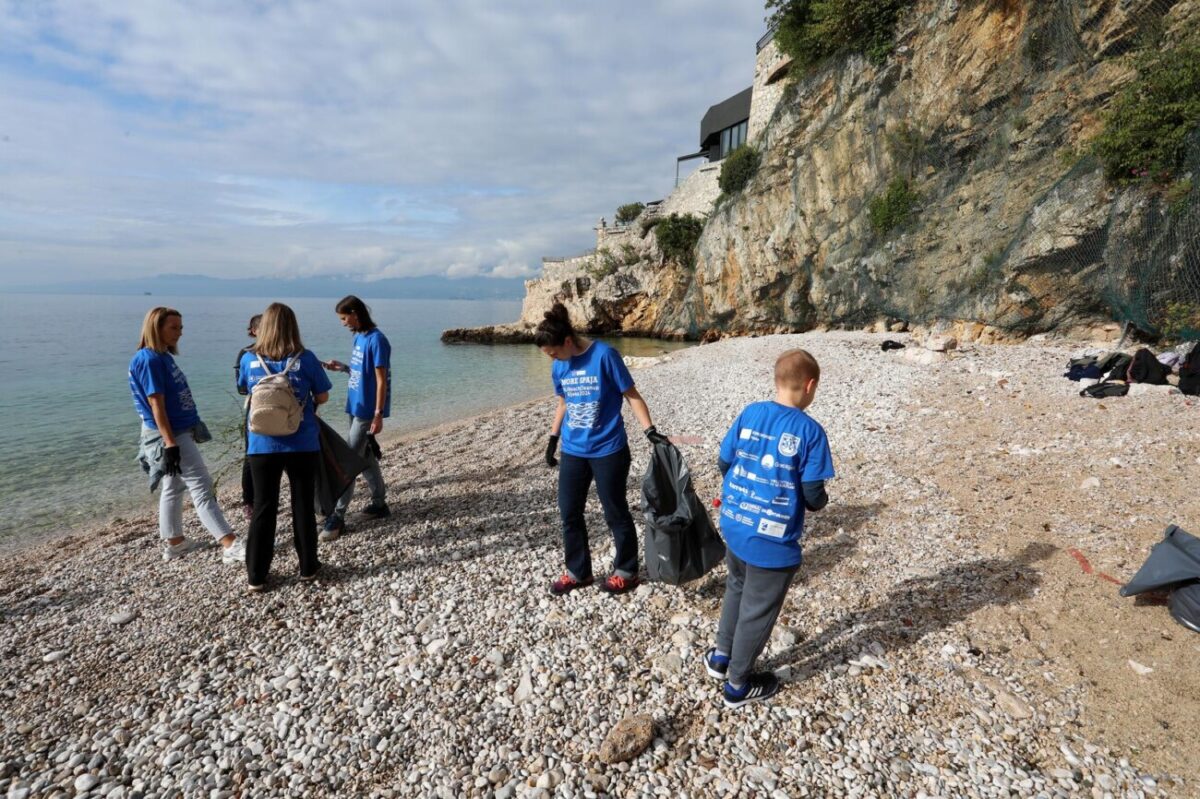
{"points": [[1148, 126], [737, 169], [677, 237], [629, 212], [895, 208], [813, 30], [1180, 320]]}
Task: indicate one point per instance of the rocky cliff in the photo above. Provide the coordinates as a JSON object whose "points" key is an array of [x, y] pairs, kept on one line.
{"points": [[984, 112]]}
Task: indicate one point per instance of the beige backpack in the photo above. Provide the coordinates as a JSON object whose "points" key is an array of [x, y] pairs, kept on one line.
{"points": [[274, 410]]}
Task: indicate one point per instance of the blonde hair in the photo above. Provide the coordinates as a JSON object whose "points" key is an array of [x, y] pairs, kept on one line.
{"points": [[278, 333], [152, 330], [796, 367]]}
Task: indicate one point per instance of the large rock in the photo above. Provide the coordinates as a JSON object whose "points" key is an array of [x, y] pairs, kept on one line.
{"points": [[627, 740]]}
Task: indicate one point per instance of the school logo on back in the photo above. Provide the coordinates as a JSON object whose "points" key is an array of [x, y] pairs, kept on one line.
{"points": [[789, 445]]}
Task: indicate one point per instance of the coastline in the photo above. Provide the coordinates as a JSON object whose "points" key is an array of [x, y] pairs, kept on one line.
{"points": [[227, 492], [938, 603]]}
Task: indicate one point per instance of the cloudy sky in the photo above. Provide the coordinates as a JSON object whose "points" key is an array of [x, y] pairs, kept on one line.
{"points": [[390, 138]]}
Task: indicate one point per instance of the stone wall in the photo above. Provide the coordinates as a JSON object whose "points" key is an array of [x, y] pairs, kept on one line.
{"points": [[769, 64], [696, 194]]}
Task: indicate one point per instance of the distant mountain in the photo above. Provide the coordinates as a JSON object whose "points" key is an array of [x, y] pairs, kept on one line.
{"points": [[418, 288]]}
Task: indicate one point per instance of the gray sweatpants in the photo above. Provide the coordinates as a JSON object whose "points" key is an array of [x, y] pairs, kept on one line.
{"points": [[753, 598], [373, 475], [193, 478]]}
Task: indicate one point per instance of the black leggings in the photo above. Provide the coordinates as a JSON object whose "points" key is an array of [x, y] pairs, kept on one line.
{"points": [[268, 470]]}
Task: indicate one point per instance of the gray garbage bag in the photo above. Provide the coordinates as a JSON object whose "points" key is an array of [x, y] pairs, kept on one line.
{"points": [[681, 542], [336, 469], [1172, 561], [1184, 606]]}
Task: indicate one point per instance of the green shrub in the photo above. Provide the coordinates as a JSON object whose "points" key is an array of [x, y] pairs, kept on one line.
{"points": [[604, 263], [894, 208], [1179, 196], [629, 212], [629, 254], [1147, 127], [737, 169], [812, 30], [677, 237], [1179, 319]]}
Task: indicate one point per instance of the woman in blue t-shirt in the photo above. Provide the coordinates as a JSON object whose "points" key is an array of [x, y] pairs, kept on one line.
{"points": [[368, 403], [171, 429], [591, 381], [279, 348]]}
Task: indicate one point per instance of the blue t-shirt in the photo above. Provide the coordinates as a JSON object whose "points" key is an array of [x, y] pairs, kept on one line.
{"points": [[307, 377], [371, 350], [592, 383], [153, 372], [771, 449]]}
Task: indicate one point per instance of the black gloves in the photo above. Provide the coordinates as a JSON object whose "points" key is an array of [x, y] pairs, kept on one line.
{"points": [[655, 436], [171, 463], [551, 448]]}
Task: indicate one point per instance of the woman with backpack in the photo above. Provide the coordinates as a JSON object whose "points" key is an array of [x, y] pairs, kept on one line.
{"points": [[171, 429], [286, 384], [591, 381]]}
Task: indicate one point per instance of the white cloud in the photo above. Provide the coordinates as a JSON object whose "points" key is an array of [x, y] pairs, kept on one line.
{"points": [[387, 138]]}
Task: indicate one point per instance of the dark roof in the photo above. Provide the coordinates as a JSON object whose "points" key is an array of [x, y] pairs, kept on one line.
{"points": [[724, 114]]}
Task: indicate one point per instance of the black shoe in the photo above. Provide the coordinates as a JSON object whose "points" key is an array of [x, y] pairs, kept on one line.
{"points": [[716, 665], [377, 511], [759, 686]]}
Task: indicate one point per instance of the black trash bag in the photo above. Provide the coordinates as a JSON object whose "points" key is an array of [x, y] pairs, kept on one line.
{"points": [[1189, 373], [681, 542], [1145, 368], [1172, 561], [336, 469], [1184, 606]]}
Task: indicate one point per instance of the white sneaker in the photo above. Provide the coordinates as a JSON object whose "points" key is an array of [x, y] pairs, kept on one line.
{"points": [[235, 552], [176, 551]]}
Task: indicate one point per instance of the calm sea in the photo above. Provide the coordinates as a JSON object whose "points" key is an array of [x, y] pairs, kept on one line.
{"points": [[68, 431]]}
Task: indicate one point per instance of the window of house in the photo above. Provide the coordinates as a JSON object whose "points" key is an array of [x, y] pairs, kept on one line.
{"points": [[733, 137]]}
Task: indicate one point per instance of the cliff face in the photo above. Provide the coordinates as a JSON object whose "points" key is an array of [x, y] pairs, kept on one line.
{"points": [[983, 110]]}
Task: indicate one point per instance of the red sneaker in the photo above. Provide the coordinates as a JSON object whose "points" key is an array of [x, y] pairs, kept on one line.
{"points": [[567, 584], [616, 584]]}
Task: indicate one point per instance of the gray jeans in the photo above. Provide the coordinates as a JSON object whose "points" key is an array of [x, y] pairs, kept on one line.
{"points": [[753, 599], [357, 439], [193, 478]]}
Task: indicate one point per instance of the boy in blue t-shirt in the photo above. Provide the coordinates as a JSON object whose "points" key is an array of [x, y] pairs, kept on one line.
{"points": [[776, 460]]}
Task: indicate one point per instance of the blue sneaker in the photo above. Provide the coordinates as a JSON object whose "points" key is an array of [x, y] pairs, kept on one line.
{"points": [[332, 529], [716, 665], [759, 686]]}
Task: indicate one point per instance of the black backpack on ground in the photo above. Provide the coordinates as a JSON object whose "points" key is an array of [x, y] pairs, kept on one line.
{"points": [[1145, 368], [1102, 390], [1189, 373], [1115, 365]]}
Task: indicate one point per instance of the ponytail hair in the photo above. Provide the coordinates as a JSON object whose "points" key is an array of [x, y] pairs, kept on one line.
{"points": [[555, 328], [351, 304]]}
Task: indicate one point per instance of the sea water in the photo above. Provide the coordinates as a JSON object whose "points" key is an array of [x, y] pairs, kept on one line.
{"points": [[68, 430]]}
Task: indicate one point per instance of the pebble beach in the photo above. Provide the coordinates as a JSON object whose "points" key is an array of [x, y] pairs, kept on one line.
{"points": [[955, 630]]}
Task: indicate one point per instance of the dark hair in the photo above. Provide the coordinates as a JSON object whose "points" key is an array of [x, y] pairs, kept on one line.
{"points": [[352, 304], [254, 322], [555, 328]]}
